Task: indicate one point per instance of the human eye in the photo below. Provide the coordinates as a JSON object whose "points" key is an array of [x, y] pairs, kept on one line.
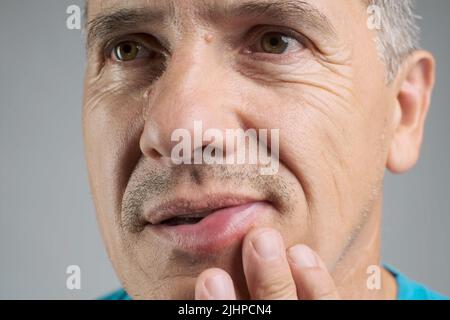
{"points": [[276, 43], [135, 49]]}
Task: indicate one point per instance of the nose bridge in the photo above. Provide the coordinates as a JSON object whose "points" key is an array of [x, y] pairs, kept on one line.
{"points": [[188, 95]]}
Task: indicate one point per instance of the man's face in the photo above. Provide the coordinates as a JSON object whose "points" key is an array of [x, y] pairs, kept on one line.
{"points": [[308, 68]]}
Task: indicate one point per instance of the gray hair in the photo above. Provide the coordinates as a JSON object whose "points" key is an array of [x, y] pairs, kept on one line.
{"points": [[398, 34]]}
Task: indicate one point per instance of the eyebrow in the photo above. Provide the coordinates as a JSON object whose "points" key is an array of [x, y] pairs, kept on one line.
{"points": [[292, 11], [120, 19], [295, 12]]}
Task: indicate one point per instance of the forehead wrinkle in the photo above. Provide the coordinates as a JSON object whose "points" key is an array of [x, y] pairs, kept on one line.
{"points": [[97, 8]]}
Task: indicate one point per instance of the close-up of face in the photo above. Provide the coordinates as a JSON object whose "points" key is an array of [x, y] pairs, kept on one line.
{"points": [[311, 69]]}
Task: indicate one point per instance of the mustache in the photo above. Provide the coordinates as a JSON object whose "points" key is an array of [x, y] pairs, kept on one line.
{"points": [[149, 183]]}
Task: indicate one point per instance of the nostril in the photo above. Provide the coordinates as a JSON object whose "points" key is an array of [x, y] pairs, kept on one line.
{"points": [[154, 154], [150, 146]]}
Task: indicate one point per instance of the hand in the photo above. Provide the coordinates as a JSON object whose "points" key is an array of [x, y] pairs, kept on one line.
{"points": [[271, 272]]}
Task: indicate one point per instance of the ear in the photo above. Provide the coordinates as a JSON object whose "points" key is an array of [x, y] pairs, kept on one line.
{"points": [[415, 84]]}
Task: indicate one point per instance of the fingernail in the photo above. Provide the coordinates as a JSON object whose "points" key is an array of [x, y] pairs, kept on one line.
{"points": [[302, 256], [267, 245], [218, 287]]}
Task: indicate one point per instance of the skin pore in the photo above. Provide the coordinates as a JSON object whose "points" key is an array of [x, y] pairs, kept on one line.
{"points": [[308, 68]]}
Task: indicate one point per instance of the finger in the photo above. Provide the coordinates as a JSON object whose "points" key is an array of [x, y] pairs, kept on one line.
{"points": [[266, 267], [310, 274], [214, 284]]}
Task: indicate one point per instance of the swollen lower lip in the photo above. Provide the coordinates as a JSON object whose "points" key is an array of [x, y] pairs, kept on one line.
{"points": [[216, 231]]}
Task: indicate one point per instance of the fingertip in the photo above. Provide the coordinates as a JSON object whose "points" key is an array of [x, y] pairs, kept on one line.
{"points": [[264, 242], [311, 276], [302, 256], [214, 284], [266, 268]]}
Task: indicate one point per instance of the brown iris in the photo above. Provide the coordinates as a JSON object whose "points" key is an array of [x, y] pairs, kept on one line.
{"points": [[126, 51], [274, 43]]}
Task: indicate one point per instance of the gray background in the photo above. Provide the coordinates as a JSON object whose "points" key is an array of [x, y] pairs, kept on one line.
{"points": [[47, 220]]}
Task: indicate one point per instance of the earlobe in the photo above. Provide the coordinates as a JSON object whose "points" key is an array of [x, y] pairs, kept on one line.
{"points": [[416, 82]]}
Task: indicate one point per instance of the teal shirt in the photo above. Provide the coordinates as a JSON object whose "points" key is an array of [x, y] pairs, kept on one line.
{"points": [[407, 289]]}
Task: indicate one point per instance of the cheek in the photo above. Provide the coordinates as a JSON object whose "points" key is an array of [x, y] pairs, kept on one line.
{"points": [[328, 142], [112, 127]]}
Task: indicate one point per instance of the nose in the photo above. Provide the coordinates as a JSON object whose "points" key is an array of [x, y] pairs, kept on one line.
{"points": [[192, 94]]}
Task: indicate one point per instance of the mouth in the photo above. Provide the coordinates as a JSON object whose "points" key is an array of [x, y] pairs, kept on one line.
{"points": [[189, 218], [191, 211], [208, 224]]}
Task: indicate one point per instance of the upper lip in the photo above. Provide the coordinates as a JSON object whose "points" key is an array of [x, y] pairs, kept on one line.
{"points": [[180, 207]]}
